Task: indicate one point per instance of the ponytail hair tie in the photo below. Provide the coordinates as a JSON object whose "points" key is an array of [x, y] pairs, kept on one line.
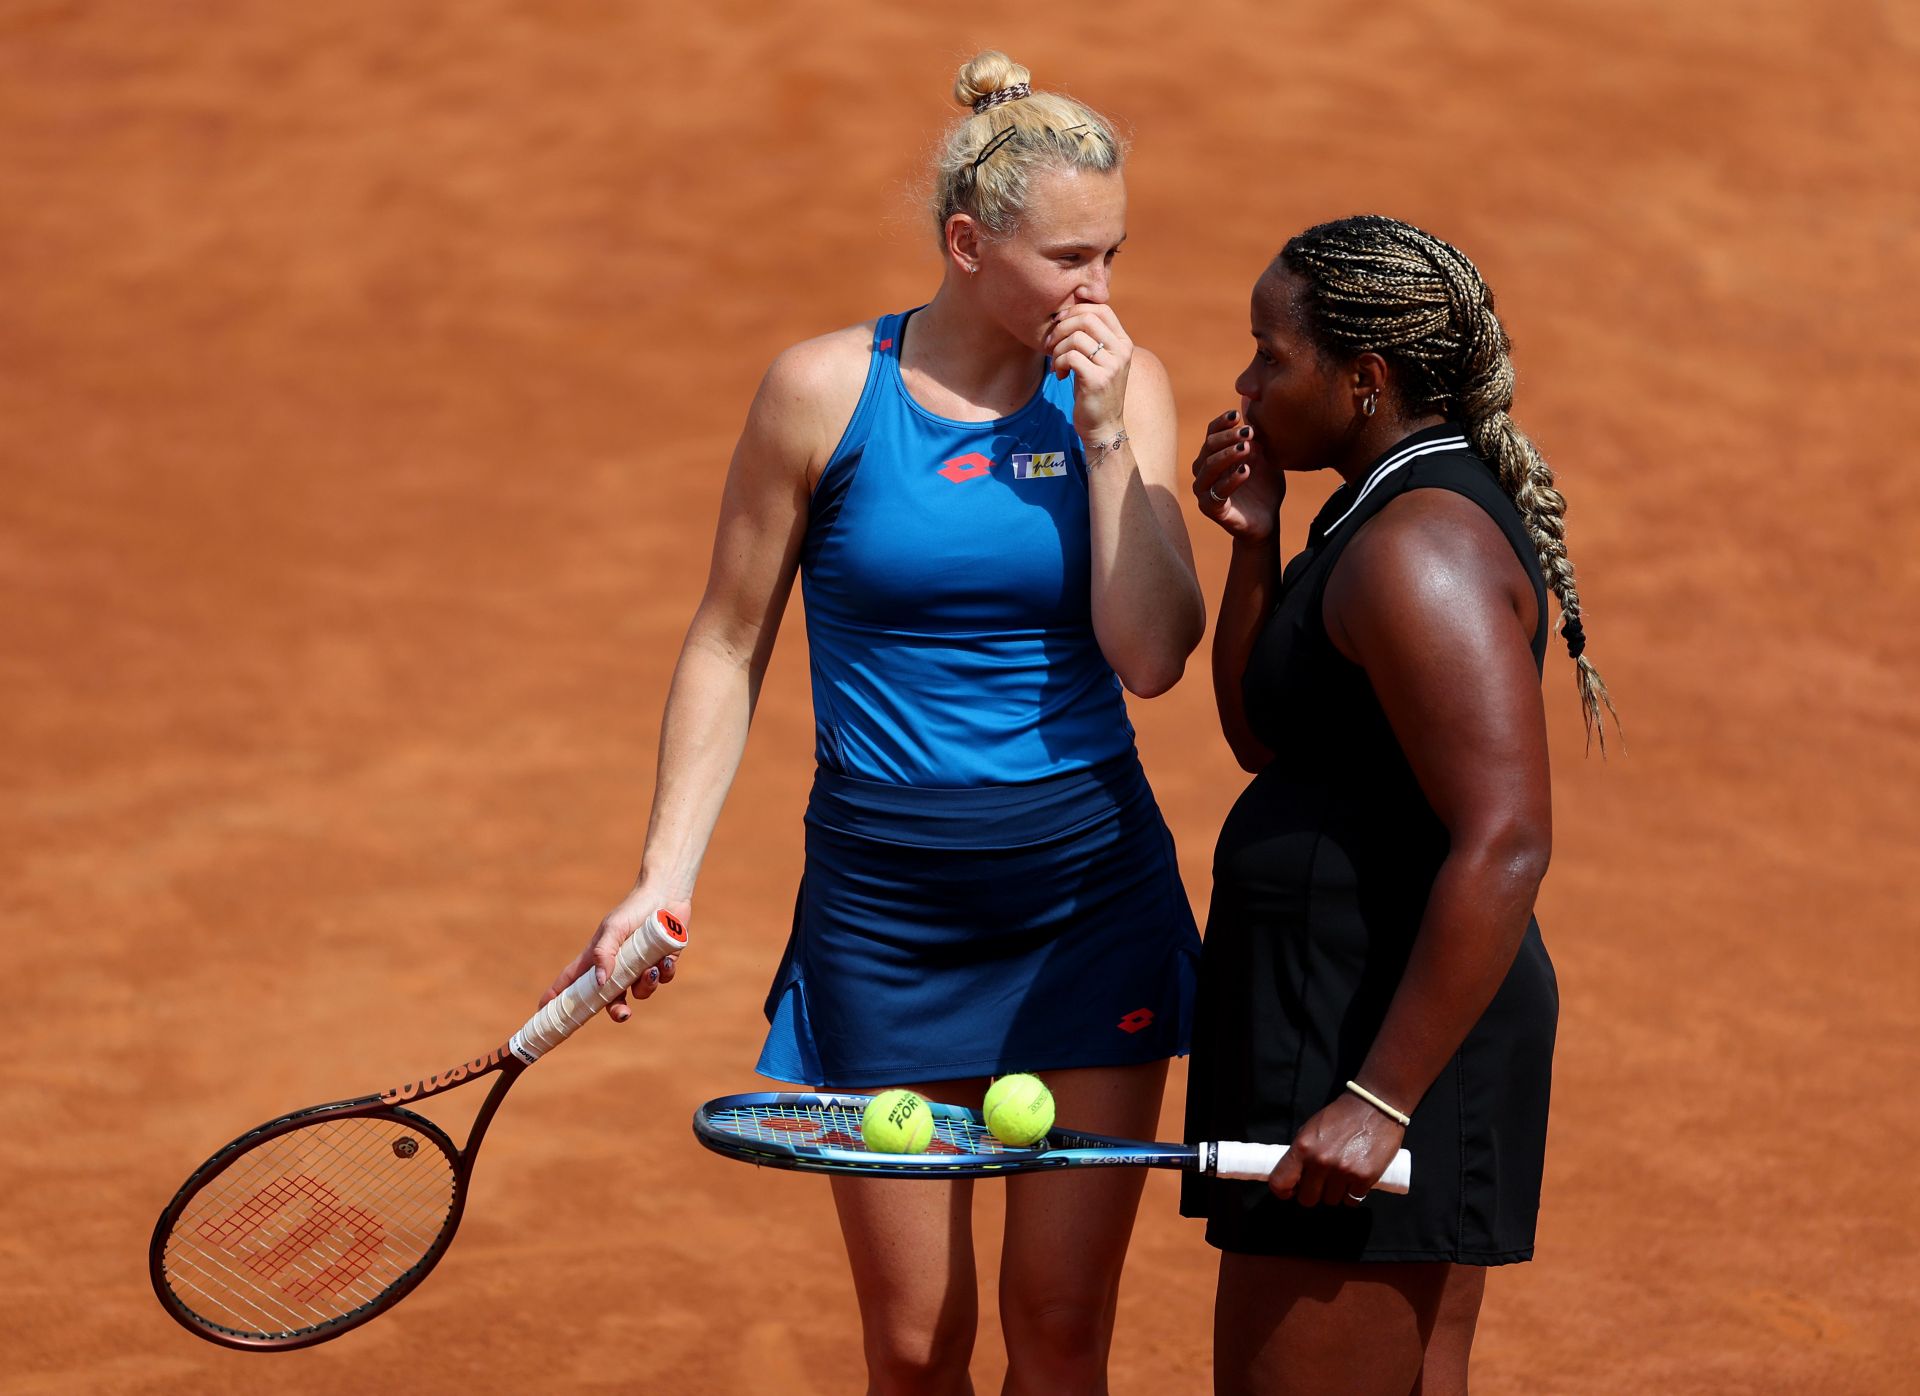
{"points": [[1012, 92], [1576, 637]]}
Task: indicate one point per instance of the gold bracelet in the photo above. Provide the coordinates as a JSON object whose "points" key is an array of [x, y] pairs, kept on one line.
{"points": [[1098, 451], [1401, 1117]]}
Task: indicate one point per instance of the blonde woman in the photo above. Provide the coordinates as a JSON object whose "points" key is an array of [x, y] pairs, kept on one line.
{"points": [[1373, 975], [979, 498]]}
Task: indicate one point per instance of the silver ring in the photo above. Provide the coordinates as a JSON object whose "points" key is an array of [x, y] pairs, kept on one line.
{"points": [[1097, 347], [1215, 495], [1356, 1197]]}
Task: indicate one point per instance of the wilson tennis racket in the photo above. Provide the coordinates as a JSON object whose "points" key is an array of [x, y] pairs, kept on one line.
{"points": [[821, 1134], [316, 1222]]}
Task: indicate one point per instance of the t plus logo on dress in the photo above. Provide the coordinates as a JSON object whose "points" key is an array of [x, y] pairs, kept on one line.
{"points": [[1039, 465]]}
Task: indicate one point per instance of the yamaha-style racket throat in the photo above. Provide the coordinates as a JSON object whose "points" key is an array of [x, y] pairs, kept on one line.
{"points": [[815, 1133], [317, 1221]]}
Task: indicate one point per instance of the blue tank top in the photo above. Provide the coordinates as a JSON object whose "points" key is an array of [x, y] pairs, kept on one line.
{"points": [[946, 575]]}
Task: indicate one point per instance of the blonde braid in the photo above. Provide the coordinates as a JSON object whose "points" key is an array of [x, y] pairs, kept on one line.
{"points": [[1380, 285]]}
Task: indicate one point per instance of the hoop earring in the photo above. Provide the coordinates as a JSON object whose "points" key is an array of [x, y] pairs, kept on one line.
{"points": [[1373, 401]]}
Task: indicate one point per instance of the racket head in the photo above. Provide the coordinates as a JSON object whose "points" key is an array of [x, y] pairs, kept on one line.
{"points": [[309, 1225], [814, 1132]]}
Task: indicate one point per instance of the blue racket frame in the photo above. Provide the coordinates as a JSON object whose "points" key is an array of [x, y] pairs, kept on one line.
{"points": [[781, 1129]]}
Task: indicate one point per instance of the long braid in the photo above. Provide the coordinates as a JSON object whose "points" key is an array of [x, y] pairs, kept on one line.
{"points": [[1380, 285]]}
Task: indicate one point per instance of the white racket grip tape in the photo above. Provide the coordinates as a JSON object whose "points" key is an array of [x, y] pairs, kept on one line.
{"points": [[659, 936], [1254, 1162]]}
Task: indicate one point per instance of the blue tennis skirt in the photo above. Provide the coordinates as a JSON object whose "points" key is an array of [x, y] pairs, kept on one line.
{"points": [[942, 934]]}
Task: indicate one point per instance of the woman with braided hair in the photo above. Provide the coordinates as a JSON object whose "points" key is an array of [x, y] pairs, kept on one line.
{"points": [[980, 499], [1373, 977]]}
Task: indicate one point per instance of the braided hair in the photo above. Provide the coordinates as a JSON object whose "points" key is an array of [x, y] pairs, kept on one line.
{"points": [[1377, 284]]}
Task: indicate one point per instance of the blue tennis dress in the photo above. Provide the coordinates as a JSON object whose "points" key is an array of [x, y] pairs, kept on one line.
{"points": [[989, 885]]}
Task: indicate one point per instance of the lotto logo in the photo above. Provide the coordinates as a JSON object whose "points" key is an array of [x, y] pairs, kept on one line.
{"points": [[1136, 1020], [971, 466]]}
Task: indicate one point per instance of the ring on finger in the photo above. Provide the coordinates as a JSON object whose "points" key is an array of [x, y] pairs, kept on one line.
{"points": [[1098, 345], [1215, 495], [1356, 1197]]}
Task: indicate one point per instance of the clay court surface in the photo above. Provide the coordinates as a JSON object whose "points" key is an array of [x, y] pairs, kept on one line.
{"points": [[367, 375]]}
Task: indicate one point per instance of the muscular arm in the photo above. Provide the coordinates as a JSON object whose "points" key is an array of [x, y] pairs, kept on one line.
{"points": [[794, 419], [1148, 613], [1431, 601], [1238, 489], [1253, 587], [763, 517]]}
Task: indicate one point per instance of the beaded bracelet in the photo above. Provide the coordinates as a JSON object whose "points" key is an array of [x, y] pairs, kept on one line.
{"points": [[1098, 451], [1399, 1116]]}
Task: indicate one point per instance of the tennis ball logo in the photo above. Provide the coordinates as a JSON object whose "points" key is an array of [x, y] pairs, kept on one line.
{"points": [[896, 1122], [1019, 1110]]}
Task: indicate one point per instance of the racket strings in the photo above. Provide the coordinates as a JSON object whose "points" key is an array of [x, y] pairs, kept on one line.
{"points": [[310, 1225], [826, 1126]]}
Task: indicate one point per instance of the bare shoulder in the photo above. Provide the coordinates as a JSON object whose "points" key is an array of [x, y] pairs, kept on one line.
{"points": [[820, 369], [1150, 372], [1432, 553], [1425, 530], [810, 390]]}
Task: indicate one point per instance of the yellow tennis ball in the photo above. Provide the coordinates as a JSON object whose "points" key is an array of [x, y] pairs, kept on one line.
{"points": [[1019, 1109], [896, 1122]]}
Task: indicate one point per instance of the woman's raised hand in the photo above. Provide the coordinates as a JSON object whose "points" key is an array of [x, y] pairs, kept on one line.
{"points": [[1235, 485], [1088, 341]]}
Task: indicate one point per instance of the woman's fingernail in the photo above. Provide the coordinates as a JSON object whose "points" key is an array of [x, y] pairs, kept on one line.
{"points": [[653, 975], [1233, 416], [1246, 431], [1241, 447]]}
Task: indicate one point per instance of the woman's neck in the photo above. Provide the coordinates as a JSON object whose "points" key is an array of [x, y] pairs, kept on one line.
{"points": [[1373, 437], [956, 346]]}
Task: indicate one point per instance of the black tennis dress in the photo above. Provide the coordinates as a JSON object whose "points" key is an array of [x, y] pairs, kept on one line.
{"points": [[1321, 877]]}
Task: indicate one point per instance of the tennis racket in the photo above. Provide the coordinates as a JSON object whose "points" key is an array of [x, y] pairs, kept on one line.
{"points": [[821, 1134], [316, 1222]]}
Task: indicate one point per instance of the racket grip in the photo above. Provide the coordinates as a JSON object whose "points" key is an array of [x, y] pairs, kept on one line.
{"points": [[1253, 1162], [659, 936]]}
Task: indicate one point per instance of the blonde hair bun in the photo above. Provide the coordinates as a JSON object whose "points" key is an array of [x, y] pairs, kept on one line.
{"points": [[985, 74], [985, 161]]}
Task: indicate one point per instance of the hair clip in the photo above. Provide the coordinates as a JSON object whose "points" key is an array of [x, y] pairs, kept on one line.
{"points": [[1001, 137]]}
